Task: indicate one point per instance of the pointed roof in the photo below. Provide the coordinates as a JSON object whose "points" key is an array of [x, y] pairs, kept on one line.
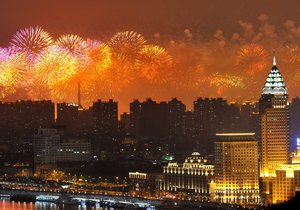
{"points": [[274, 84]]}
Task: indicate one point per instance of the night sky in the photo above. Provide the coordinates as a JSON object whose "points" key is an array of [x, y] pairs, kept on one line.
{"points": [[206, 33]]}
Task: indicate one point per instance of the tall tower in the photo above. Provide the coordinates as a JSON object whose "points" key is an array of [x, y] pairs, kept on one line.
{"points": [[274, 113], [274, 123]]}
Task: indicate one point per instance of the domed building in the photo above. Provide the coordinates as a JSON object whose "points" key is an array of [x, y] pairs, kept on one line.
{"points": [[193, 177]]}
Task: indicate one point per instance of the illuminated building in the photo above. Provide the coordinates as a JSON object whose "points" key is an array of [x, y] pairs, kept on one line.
{"points": [[287, 180], [194, 176], [141, 184], [274, 145], [236, 168], [51, 147]]}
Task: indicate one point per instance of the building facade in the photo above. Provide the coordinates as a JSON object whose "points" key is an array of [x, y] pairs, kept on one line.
{"points": [[236, 168], [287, 179], [143, 184], [50, 147], [105, 118], [195, 177], [20, 120], [214, 115]]}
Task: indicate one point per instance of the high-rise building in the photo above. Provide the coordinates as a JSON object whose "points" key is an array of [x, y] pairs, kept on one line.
{"points": [[212, 116], [274, 123], [274, 145], [236, 168], [67, 115], [248, 120], [294, 123], [176, 114], [125, 121], [188, 125], [149, 119], [135, 114], [105, 118], [21, 119], [76, 120]]}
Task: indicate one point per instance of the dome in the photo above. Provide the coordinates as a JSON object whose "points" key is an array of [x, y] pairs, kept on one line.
{"points": [[274, 83]]}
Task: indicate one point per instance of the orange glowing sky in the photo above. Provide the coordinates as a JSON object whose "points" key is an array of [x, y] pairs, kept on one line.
{"points": [[217, 49]]}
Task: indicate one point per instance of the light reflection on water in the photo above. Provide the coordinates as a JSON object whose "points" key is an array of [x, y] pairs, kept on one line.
{"points": [[13, 205]]}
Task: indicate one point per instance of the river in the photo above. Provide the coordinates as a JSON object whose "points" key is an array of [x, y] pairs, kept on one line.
{"points": [[13, 205]]}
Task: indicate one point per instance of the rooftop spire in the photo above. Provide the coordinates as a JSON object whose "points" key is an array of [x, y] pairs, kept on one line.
{"points": [[274, 58]]}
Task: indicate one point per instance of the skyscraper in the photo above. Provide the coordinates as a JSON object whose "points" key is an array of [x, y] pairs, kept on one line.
{"points": [[149, 119], [177, 109], [213, 115], [274, 123], [294, 123], [105, 117], [274, 145]]}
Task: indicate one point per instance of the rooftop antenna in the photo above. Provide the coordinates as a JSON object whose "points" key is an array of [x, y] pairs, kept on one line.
{"points": [[274, 58], [79, 96]]}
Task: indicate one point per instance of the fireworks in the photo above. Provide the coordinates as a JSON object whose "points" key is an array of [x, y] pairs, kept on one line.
{"points": [[54, 66], [155, 64], [225, 81], [289, 61], [42, 68], [118, 75], [219, 80], [73, 44], [127, 43], [11, 71], [32, 41], [99, 56], [3, 54], [293, 54], [252, 59]]}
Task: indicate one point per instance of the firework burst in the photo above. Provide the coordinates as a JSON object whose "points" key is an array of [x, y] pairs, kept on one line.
{"points": [[11, 73], [74, 45], [31, 41], [155, 64], [225, 81], [289, 61], [3, 54], [252, 59], [127, 43], [99, 56], [54, 66], [117, 76]]}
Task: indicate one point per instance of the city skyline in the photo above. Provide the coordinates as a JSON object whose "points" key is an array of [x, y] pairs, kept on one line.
{"points": [[150, 104]]}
